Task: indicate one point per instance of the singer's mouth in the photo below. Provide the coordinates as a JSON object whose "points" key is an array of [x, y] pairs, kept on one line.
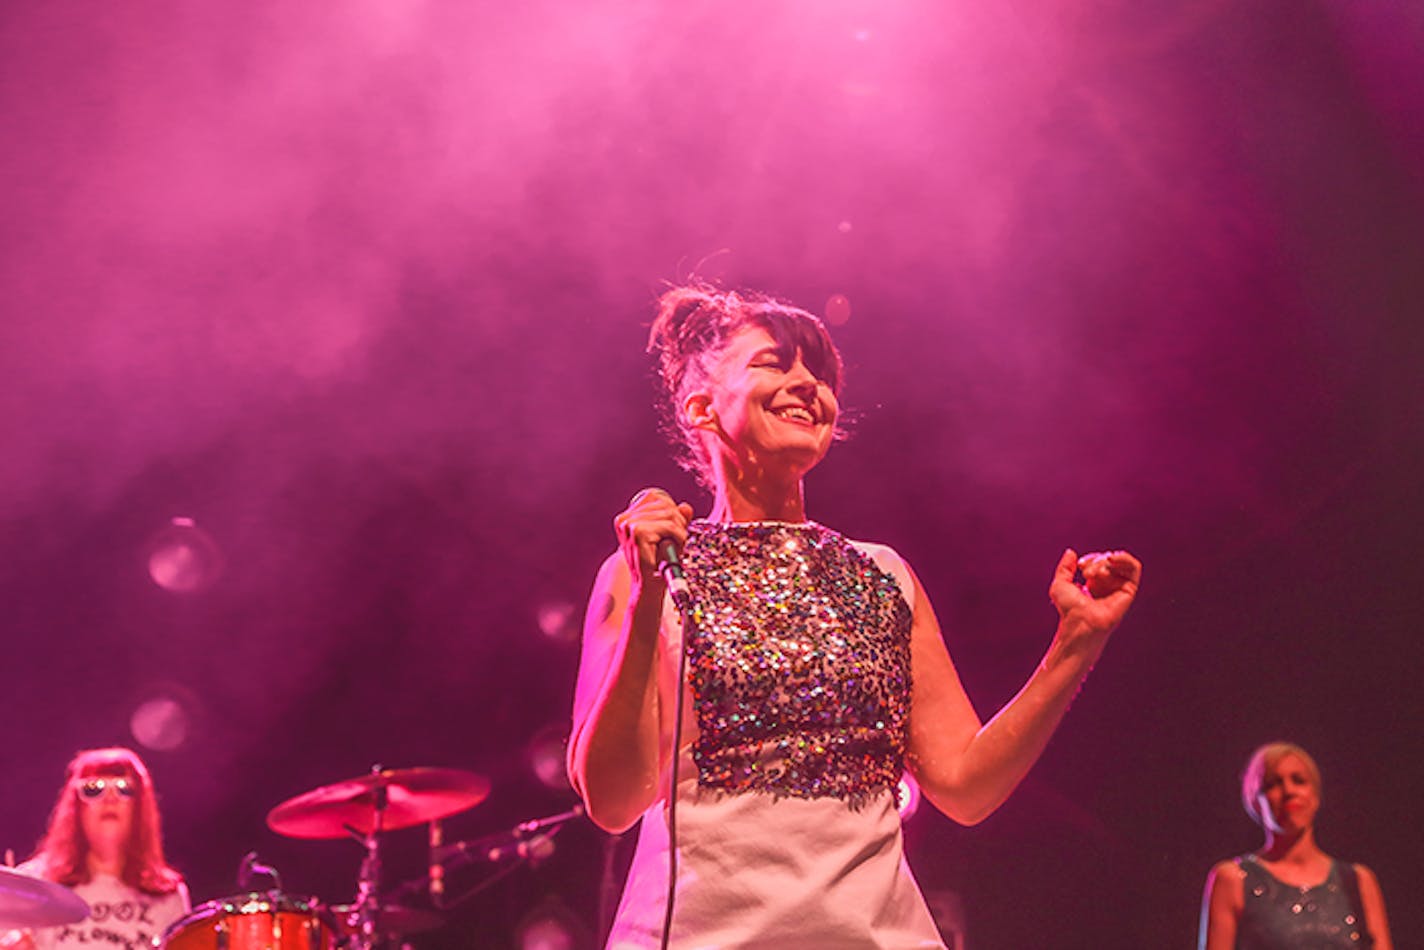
{"points": [[795, 413]]}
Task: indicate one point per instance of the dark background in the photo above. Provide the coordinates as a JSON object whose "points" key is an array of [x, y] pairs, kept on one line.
{"points": [[362, 289]]}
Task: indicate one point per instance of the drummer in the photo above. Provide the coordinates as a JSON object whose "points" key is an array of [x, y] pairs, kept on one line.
{"points": [[105, 842]]}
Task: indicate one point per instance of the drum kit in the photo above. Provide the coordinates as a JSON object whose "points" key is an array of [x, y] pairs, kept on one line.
{"points": [[363, 809]]}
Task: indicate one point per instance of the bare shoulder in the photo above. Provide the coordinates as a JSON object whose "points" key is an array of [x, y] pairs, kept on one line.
{"points": [[1226, 880], [1229, 867], [1370, 889], [1363, 872]]}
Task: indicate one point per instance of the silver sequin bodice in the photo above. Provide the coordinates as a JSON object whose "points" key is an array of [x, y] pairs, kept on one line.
{"points": [[799, 662]]}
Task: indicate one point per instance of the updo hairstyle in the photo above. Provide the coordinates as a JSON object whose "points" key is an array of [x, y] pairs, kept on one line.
{"points": [[694, 325]]}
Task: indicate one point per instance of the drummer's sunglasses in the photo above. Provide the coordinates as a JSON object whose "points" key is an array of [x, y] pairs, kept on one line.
{"points": [[93, 789]]}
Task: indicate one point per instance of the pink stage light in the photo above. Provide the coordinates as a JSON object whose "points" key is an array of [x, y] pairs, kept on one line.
{"points": [[545, 755], [556, 621], [551, 926], [160, 723], [184, 558], [546, 934]]}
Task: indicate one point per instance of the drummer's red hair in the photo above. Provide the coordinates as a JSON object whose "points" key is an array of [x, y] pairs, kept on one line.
{"points": [[63, 849]]}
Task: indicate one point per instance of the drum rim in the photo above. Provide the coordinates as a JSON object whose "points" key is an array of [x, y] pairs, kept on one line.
{"points": [[253, 902]]}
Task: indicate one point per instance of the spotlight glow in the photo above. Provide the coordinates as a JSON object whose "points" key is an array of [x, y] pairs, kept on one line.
{"points": [[183, 558], [546, 934], [545, 754], [556, 621], [160, 723], [551, 926]]}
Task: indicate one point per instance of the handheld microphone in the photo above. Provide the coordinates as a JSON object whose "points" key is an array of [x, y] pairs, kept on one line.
{"points": [[670, 567]]}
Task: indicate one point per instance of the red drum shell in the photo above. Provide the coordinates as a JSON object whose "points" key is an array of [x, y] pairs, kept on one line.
{"points": [[258, 921]]}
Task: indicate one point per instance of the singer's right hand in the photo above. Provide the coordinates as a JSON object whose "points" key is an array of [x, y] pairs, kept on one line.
{"points": [[615, 747], [651, 517]]}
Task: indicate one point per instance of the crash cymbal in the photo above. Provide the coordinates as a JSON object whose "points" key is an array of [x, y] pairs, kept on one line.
{"points": [[31, 902], [412, 796], [391, 919]]}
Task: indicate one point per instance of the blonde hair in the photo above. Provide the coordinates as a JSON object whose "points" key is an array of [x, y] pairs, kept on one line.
{"points": [[1254, 775]]}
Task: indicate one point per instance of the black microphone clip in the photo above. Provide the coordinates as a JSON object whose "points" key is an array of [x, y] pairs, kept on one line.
{"points": [[250, 869]]}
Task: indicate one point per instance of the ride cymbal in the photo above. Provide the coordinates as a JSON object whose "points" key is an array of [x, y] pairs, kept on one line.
{"points": [[404, 797]]}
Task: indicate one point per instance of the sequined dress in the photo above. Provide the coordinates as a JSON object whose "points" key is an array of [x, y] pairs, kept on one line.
{"points": [[1279, 916], [792, 746]]}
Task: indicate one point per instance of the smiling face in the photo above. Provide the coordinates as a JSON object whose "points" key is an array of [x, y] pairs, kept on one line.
{"points": [[763, 410], [1289, 798]]}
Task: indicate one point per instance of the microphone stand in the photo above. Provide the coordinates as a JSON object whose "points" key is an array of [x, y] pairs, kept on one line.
{"points": [[488, 848]]}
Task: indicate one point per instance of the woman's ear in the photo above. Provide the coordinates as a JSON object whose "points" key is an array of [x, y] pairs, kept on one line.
{"points": [[697, 410]]}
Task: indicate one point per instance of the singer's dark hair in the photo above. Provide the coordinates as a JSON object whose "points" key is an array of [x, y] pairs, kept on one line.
{"points": [[694, 324]]}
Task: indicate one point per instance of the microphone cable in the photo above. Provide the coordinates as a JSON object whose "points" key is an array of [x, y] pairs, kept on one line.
{"points": [[670, 567]]}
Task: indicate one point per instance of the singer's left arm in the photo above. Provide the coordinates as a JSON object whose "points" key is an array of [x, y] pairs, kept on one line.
{"points": [[967, 768]]}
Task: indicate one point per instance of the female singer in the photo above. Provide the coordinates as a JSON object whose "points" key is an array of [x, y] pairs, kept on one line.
{"points": [[816, 668]]}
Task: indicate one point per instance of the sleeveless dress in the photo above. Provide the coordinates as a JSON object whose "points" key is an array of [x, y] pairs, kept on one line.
{"points": [[1280, 916], [797, 695]]}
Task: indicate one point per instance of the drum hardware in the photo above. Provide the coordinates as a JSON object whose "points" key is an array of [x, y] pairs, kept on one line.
{"points": [[368, 879], [530, 841], [31, 902], [255, 921], [391, 920], [365, 808], [250, 869]]}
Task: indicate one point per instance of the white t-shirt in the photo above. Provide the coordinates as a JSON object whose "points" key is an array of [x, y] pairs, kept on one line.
{"points": [[120, 918]]}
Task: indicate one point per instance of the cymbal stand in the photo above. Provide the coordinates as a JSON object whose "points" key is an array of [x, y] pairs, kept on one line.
{"points": [[369, 879]]}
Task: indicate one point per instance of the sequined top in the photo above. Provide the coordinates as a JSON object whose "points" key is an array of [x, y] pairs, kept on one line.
{"points": [[1279, 916], [798, 683], [799, 663]]}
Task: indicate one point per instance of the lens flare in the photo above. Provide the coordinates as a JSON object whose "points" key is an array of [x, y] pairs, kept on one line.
{"points": [[160, 723], [184, 558]]}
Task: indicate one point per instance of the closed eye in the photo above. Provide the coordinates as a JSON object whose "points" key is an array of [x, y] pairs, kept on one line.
{"points": [[767, 359]]}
